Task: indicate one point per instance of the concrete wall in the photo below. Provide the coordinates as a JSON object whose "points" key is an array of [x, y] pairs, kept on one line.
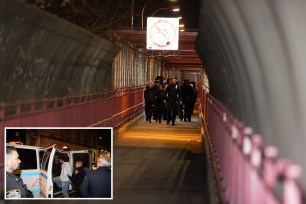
{"points": [[43, 56], [254, 55]]}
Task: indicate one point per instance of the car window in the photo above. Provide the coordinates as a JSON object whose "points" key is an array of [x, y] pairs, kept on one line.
{"points": [[28, 158], [45, 159]]}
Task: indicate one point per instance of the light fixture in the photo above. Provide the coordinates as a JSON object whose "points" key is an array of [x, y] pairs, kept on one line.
{"points": [[180, 17], [176, 9], [171, 9], [142, 12], [181, 25], [182, 30]]}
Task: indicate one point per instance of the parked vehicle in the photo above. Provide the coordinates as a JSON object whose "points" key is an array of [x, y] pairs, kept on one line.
{"points": [[39, 165]]}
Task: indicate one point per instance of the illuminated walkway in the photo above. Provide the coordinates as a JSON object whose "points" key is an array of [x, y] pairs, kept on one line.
{"points": [[159, 163]]}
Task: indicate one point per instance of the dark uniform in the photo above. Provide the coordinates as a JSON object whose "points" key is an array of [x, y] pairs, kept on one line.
{"points": [[14, 182], [77, 179], [172, 98], [187, 93], [160, 106], [97, 184], [195, 96], [149, 96]]}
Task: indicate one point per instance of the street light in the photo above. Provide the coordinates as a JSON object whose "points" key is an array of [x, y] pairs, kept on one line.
{"points": [[161, 9], [142, 12]]}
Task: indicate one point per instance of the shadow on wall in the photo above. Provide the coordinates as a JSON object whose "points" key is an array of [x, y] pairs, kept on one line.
{"points": [[42, 56]]}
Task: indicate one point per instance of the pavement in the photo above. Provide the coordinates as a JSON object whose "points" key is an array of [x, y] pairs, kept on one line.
{"points": [[160, 163]]}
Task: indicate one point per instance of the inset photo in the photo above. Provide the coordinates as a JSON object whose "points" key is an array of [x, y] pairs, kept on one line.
{"points": [[58, 163]]}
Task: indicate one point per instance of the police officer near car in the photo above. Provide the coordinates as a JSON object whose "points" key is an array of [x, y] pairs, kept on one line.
{"points": [[77, 177], [15, 188]]}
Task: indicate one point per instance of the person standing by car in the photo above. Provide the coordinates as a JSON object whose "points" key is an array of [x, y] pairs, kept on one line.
{"points": [[97, 183], [77, 177], [63, 181], [14, 184]]}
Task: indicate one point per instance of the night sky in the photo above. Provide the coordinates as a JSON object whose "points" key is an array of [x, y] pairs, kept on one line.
{"points": [[106, 137], [190, 10]]}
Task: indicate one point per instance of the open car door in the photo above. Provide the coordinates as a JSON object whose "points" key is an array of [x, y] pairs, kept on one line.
{"points": [[45, 177]]}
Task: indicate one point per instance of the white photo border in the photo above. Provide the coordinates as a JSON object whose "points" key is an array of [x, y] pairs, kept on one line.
{"points": [[52, 128]]}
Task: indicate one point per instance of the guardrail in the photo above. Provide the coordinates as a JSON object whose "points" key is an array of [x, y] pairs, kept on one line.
{"points": [[74, 111], [246, 170], [97, 110]]}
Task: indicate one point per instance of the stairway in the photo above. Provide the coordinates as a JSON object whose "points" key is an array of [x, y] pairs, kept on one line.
{"points": [[160, 163]]}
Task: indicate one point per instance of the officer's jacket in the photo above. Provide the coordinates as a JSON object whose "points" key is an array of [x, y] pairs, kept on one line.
{"points": [[14, 182]]}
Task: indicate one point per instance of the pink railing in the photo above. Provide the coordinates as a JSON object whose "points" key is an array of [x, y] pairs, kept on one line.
{"points": [[99, 110], [246, 170], [75, 111]]}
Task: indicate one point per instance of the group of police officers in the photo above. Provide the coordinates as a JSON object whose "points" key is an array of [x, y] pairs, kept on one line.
{"points": [[167, 100]]}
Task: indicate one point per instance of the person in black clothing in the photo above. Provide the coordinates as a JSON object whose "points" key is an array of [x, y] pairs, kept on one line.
{"points": [[97, 183], [155, 110], [180, 105], [195, 96], [160, 102], [149, 96], [14, 184], [187, 99], [172, 98], [77, 177]]}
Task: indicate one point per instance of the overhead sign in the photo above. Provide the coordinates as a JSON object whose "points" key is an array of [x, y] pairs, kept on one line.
{"points": [[162, 33]]}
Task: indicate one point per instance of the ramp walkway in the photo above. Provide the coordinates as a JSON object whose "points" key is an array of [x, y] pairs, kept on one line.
{"points": [[160, 163]]}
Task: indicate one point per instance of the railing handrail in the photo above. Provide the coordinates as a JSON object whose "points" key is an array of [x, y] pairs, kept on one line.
{"points": [[262, 161], [116, 115], [61, 102]]}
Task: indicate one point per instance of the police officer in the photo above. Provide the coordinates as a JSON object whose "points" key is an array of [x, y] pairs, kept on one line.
{"points": [[149, 96], [77, 177], [172, 98], [160, 102], [97, 183], [14, 184], [187, 93]]}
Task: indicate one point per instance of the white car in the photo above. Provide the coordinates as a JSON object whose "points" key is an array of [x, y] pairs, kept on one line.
{"points": [[37, 167]]}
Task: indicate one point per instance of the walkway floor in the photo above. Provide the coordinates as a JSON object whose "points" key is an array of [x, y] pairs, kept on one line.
{"points": [[159, 163]]}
